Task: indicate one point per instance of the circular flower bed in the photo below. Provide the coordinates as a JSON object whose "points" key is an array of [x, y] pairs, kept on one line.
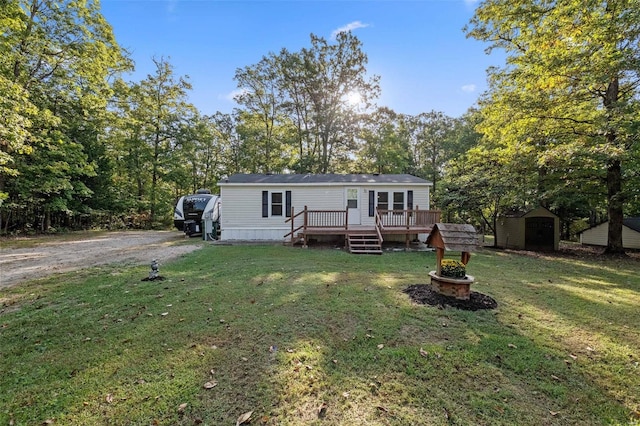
{"points": [[452, 269]]}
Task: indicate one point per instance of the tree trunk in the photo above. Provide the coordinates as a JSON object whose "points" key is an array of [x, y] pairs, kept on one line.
{"points": [[614, 209], [615, 198]]}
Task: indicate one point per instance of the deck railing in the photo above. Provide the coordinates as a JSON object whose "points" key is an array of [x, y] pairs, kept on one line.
{"points": [[336, 219], [306, 219], [326, 218], [408, 218]]}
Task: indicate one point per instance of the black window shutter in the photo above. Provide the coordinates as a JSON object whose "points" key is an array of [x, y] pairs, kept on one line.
{"points": [[409, 200], [265, 203], [287, 203], [372, 203]]}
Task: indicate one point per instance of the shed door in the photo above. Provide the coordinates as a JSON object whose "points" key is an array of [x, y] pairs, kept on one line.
{"points": [[353, 205], [539, 234]]}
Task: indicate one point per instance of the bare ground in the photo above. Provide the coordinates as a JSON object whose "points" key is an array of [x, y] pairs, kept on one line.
{"points": [[25, 260]]}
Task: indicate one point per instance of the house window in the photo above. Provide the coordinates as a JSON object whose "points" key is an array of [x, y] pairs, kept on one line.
{"points": [[276, 204], [352, 198], [383, 200], [398, 200]]}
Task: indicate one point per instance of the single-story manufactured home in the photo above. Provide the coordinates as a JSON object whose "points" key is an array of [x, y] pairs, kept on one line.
{"points": [[536, 230], [282, 207], [598, 235]]}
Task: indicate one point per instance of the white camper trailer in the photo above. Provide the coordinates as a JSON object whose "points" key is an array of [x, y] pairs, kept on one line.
{"points": [[198, 214]]}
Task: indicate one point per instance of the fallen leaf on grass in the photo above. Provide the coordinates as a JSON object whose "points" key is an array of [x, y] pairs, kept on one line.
{"points": [[447, 415], [573, 357], [322, 410], [512, 346], [380, 346], [424, 353], [164, 314], [554, 413], [554, 377], [181, 407], [244, 418], [210, 385]]}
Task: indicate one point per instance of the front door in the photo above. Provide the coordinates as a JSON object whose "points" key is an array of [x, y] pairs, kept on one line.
{"points": [[353, 205]]}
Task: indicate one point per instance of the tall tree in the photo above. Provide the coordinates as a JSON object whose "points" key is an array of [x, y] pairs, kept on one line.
{"points": [[432, 142], [56, 60], [571, 85], [152, 112], [262, 120], [334, 73], [385, 143]]}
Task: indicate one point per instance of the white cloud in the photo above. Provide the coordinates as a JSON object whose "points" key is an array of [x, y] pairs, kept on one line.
{"points": [[232, 95], [468, 88], [171, 6], [349, 27]]}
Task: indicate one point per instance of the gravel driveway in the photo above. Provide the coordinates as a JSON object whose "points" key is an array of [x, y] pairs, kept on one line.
{"points": [[62, 255]]}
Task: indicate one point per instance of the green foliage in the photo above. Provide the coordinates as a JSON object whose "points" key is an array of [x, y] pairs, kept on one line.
{"points": [[55, 61], [568, 95], [298, 101], [385, 144]]}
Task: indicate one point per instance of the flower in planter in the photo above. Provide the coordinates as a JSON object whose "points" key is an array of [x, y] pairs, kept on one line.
{"points": [[453, 269]]}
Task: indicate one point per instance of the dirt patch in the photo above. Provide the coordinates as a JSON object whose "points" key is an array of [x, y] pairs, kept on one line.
{"points": [[425, 295], [53, 255]]}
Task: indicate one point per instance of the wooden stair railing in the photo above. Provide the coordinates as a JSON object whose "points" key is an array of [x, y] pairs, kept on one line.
{"points": [[295, 229]]}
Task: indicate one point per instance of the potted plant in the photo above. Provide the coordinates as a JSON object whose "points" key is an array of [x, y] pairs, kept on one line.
{"points": [[452, 269]]}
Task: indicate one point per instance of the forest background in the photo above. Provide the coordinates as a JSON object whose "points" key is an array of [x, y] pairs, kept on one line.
{"points": [[80, 147]]}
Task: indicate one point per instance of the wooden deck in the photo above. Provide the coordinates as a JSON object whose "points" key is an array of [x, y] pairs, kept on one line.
{"points": [[308, 223]]}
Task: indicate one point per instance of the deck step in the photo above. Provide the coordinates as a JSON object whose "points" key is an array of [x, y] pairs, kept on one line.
{"points": [[364, 244]]}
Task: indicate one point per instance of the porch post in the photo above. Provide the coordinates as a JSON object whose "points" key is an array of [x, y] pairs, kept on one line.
{"points": [[304, 228], [292, 225]]}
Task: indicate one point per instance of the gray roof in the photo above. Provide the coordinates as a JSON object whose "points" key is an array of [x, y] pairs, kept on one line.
{"points": [[297, 179], [523, 213], [632, 222]]}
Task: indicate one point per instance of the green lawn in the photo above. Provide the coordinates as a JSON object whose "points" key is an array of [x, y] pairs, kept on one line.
{"points": [[281, 331]]}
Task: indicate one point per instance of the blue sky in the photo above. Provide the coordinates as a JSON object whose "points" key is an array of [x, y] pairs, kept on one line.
{"points": [[417, 47]]}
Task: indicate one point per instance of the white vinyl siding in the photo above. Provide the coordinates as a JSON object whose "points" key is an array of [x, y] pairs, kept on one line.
{"points": [[630, 238], [596, 236], [599, 235], [241, 217]]}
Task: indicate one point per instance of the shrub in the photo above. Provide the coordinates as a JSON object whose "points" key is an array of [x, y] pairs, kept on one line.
{"points": [[453, 269]]}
